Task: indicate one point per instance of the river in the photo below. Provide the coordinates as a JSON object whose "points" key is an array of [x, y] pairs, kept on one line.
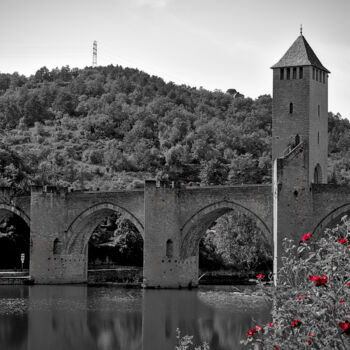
{"points": [[109, 318]]}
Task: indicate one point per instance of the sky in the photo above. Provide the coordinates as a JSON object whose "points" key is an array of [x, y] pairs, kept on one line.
{"points": [[216, 44]]}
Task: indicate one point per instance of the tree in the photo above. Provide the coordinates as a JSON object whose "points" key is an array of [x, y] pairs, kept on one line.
{"points": [[213, 172]]}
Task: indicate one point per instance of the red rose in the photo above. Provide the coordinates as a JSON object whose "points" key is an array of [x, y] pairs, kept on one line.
{"points": [[296, 323], [251, 332], [276, 347], [260, 276], [341, 301], [342, 240], [309, 341], [319, 281], [271, 324], [306, 237], [345, 326]]}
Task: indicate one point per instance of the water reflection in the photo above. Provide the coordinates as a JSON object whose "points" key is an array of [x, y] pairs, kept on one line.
{"points": [[80, 317]]}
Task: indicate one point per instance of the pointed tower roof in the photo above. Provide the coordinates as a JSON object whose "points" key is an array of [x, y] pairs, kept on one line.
{"points": [[300, 54]]}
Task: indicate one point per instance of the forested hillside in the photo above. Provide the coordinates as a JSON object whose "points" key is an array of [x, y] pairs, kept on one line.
{"points": [[105, 127]]}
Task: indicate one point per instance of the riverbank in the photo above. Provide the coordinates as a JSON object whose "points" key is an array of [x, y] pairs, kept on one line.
{"points": [[130, 276]]}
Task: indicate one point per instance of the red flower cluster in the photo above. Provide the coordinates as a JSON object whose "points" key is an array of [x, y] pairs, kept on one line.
{"points": [[271, 324], [276, 347], [345, 326], [296, 323], [251, 332], [342, 240], [255, 330], [341, 301], [319, 280], [260, 276], [306, 237]]}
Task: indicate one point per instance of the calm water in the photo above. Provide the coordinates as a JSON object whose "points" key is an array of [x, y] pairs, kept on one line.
{"points": [[91, 318]]}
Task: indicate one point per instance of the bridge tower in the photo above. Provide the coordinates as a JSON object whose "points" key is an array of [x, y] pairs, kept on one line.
{"points": [[300, 108], [299, 142]]}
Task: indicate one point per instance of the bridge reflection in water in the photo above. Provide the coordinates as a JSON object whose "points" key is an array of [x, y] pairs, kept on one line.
{"points": [[80, 317]]}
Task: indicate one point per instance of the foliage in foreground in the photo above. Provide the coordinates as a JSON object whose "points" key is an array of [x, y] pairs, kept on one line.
{"points": [[312, 301]]}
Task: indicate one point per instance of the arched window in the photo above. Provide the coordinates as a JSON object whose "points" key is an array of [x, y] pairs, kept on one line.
{"points": [[318, 110], [294, 72], [169, 248], [296, 140], [318, 174], [288, 73], [301, 73], [318, 137], [291, 108], [57, 246]]}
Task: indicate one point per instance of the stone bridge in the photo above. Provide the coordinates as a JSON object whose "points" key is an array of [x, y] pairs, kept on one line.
{"points": [[171, 220]]}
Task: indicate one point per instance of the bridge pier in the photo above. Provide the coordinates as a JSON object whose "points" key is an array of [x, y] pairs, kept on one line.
{"points": [[49, 263], [163, 265]]}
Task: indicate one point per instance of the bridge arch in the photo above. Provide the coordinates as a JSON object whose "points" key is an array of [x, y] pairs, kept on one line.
{"points": [[332, 217], [81, 229], [11, 208], [194, 227], [12, 246]]}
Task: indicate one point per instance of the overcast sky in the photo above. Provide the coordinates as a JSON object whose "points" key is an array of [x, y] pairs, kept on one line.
{"points": [[217, 44]]}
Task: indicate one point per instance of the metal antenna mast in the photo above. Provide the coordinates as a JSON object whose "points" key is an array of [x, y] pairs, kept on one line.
{"points": [[94, 54]]}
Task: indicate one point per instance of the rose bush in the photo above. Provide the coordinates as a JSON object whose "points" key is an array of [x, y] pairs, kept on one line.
{"points": [[312, 300]]}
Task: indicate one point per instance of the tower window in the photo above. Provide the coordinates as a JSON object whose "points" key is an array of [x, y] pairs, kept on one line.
{"points": [[288, 73], [317, 74], [281, 73], [300, 72], [294, 73], [313, 73], [324, 77], [318, 110], [291, 108]]}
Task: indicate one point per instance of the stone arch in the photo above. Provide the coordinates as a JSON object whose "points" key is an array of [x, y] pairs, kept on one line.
{"points": [[81, 229], [192, 230], [318, 174], [331, 217], [15, 210]]}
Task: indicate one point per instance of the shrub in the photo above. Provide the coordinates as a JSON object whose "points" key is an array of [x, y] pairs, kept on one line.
{"points": [[312, 299]]}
